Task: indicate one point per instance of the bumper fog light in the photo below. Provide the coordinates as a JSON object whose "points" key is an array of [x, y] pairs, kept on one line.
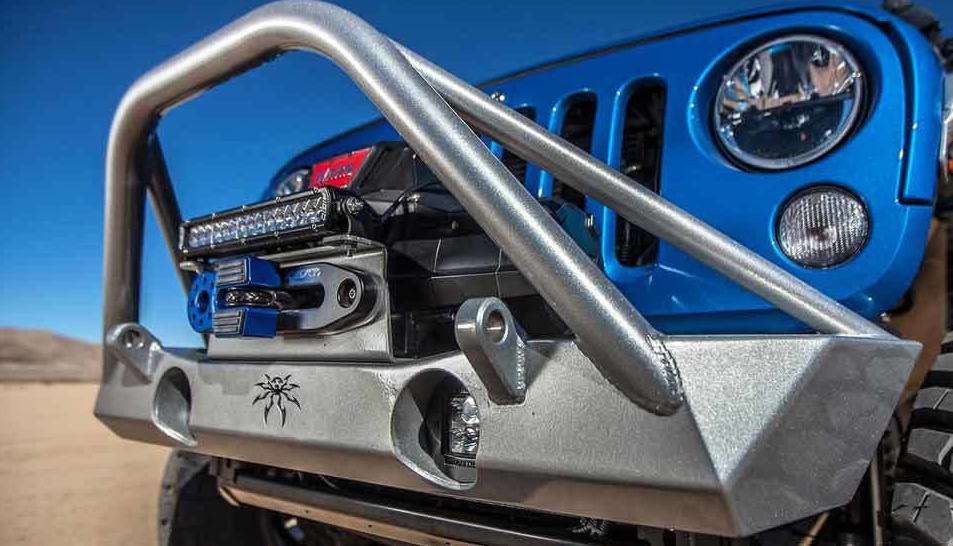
{"points": [[463, 425], [822, 227]]}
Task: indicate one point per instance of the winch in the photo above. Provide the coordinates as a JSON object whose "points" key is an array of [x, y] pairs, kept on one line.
{"points": [[249, 297]]}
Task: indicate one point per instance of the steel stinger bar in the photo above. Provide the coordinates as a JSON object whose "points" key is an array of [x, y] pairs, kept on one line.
{"points": [[612, 333]]}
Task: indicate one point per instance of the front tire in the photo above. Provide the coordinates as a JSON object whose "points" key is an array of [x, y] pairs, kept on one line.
{"points": [[193, 513], [922, 504]]}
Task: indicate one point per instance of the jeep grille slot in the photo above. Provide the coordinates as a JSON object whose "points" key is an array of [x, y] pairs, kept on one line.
{"points": [[516, 164], [640, 160], [577, 127]]}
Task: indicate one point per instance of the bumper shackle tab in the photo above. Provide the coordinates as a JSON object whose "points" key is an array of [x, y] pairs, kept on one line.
{"points": [[496, 347]]}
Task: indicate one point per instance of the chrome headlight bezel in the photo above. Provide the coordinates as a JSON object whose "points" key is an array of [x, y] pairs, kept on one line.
{"points": [[846, 127]]}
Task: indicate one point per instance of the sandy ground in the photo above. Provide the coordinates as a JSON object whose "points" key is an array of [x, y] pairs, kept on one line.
{"points": [[65, 478]]}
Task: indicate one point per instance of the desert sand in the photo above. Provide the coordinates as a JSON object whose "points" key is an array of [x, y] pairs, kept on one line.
{"points": [[65, 478]]}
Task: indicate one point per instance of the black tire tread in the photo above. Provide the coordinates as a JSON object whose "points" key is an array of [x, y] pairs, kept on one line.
{"points": [[941, 374], [922, 502], [193, 513], [922, 514]]}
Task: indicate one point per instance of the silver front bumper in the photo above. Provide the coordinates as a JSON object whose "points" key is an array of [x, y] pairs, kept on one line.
{"points": [[723, 435], [773, 428]]}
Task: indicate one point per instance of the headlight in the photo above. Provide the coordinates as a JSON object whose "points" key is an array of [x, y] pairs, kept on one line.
{"points": [[822, 227], [788, 102], [293, 183]]}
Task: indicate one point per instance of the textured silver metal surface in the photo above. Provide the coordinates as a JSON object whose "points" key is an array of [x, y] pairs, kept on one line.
{"points": [[642, 207], [617, 339], [135, 347], [774, 428], [493, 342]]}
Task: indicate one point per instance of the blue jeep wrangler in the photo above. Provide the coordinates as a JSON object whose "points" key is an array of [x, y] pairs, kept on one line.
{"points": [[611, 299]]}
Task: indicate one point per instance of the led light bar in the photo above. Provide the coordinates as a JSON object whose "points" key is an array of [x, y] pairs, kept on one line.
{"points": [[271, 223]]}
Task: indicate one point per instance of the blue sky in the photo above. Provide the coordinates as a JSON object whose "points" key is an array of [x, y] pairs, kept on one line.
{"points": [[64, 67]]}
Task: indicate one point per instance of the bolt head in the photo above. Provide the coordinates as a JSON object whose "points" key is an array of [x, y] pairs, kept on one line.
{"points": [[353, 205], [590, 221]]}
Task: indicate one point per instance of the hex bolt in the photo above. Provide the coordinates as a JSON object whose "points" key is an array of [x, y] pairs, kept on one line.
{"points": [[132, 339], [353, 205], [347, 293], [590, 221]]}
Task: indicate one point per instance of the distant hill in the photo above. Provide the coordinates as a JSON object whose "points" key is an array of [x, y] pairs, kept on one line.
{"points": [[40, 355]]}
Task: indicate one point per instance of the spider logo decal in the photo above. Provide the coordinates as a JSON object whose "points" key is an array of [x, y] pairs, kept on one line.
{"points": [[275, 391]]}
